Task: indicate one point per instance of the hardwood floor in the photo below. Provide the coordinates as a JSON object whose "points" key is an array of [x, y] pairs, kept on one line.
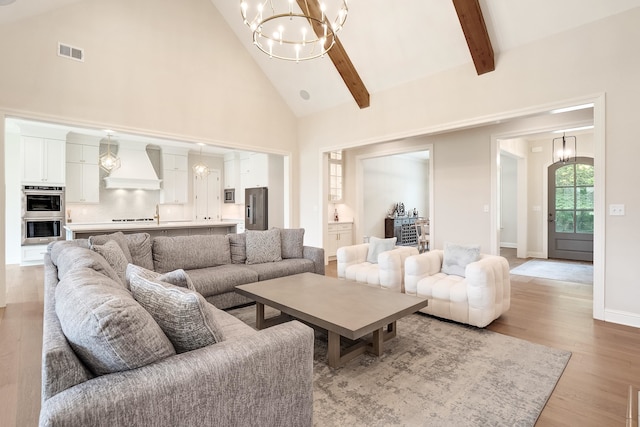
{"points": [[591, 392]]}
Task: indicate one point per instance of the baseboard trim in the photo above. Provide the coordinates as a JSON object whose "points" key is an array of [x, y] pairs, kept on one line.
{"points": [[508, 245], [535, 255], [622, 317]]}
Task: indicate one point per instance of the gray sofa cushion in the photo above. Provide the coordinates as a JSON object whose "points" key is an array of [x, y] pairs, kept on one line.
{"points": [[184, 315], [263, 246], [73, 257], [177, 278], [189, 252], [140, 247], [238, 246], [216, 280], [54, 248], [117, 237], [292, 240], [106, 327], [112, 252], [286, 267]]}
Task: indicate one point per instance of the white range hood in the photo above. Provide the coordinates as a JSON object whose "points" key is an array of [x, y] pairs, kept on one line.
{"points": [[136, 171]]}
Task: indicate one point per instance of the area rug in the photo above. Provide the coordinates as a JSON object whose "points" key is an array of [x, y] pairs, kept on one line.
{"points": [[556, 270], [435, 373]]}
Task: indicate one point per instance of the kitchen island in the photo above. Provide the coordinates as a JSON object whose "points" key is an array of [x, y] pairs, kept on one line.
{"points": [[169, 228]]}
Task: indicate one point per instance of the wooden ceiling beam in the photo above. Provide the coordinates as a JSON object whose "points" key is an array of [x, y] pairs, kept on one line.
{"points": [[475, 32], [338, 56]]}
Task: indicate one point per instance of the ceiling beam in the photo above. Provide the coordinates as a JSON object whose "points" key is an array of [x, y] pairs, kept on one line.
{"points": [[338, 56], [475, 32]]}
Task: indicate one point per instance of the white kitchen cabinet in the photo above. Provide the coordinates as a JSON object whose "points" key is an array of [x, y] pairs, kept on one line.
{"points": [[43, 161], [231, 170], [254, 172], [207, 197], [82, 173], [339, 235], [32, 254], [174, 179]]}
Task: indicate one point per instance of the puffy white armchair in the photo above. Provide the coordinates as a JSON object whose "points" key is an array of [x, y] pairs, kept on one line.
{"points": [[387, 272], [477, 299]]}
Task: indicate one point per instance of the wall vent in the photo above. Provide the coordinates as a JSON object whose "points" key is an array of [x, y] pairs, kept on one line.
{"points": [[71, 52]]}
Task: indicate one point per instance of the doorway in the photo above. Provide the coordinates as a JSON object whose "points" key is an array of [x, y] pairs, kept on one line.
{"points": [[571, 210]]}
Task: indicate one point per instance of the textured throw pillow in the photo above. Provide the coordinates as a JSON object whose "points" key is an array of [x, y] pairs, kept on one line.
{"points": [[377, 246], [140, 248], [263, 246], [73, 257], [118, 237], [106, 327], [238, 246], [292, 240], [115, 257], [456, 257], [140, 271], [184, 315], [178, 278]]}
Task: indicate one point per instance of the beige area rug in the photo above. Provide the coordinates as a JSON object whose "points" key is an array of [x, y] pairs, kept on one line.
{"points": [[435, 373], [556, 270]]}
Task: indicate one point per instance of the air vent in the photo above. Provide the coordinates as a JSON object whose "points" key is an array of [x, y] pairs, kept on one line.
{"points": [[70, 52]]}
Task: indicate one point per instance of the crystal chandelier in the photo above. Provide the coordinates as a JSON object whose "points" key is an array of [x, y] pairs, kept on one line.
{"points": [[294, 30], [565, 150], [200, 169], [109, 161]]}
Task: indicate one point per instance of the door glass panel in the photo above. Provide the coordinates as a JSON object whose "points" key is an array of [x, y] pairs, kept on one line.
{"points": [[565, 198], [565, 176], [584, 222], [564, 221], [584, 175], [584, 198]]}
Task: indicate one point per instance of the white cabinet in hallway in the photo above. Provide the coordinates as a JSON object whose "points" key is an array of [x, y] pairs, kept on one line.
{"points": [[43, 161], [340, 234], [82, 173], [174, 178]]}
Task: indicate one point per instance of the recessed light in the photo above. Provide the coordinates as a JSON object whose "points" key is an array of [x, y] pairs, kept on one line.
{"points": [[305, 95]]}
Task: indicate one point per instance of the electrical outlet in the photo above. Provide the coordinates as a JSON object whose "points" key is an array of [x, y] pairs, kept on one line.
{"points": [[616, 210]]}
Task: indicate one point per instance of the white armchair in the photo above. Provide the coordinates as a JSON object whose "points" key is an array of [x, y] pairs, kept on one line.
{"points": [[388, 273], [476, 299]]}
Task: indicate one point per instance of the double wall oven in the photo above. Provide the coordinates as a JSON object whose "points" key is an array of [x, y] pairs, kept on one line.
{"points": [[42, 214]]}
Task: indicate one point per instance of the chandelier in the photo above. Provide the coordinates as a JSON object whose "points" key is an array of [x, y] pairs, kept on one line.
{"points": [[565, 150], [200, 169], [109, 161], [294, 30]]}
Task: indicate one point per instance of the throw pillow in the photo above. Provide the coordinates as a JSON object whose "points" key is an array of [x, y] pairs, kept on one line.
{"points": [[263, 246], [456, 257], [106, 327], [73, 257], [377, 246], [292, 240], [115, 257], [140, 271], [238, 246], [178, 278], [118, 237], [183, 315], [140, 247]]}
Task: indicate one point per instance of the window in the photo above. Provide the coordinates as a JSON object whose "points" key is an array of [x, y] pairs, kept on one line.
{"points": [[335, 176]]}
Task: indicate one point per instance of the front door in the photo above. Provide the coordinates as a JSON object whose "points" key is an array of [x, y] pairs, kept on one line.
{"points": [[571, 210]]}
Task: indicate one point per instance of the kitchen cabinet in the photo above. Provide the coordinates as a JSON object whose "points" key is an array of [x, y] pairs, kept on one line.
{"points": [[207, 197], [340, 234], [82, 173], [174, 179], [231, 170], [43, 161], [32, 254], [254, 172]]}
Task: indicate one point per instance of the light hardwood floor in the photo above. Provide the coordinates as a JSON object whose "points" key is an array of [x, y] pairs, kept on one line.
{"points": [[591, 392]]}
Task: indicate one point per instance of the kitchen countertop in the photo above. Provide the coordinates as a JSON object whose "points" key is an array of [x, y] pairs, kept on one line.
{"points": [[118, 226]]}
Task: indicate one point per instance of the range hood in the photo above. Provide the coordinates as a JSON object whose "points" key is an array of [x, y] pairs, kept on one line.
{"points": [[136, 171]]}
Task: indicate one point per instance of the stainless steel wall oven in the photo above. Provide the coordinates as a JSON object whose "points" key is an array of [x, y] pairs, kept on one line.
{"points": [[43, 214]]}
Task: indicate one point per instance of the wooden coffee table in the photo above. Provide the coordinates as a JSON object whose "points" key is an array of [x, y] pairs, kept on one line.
{"points": [[344, 308]]}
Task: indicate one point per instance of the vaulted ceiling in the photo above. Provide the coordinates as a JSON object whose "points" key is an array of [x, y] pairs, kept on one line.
{"points": [[389, 43]]}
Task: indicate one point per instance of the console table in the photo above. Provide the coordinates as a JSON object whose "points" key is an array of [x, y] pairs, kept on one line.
{"points": [[403, 229]]}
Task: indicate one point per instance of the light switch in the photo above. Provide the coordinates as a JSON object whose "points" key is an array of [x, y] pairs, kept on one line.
{"points": [[485, 208], [616, 209]]}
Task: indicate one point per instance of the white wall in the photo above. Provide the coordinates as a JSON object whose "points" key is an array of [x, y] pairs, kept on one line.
{"points": [[390, 180], [508, 201], [602, 57]]}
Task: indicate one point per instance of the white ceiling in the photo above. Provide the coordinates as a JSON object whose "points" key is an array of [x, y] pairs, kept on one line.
{"points": [[393, 42]]}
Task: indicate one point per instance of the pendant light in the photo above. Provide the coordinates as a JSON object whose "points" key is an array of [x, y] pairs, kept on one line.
{"points": [[565, 149], [200, 169], [109, 161]]}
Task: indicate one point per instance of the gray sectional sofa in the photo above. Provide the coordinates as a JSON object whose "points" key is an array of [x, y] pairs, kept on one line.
{"points": [[130, 340]]}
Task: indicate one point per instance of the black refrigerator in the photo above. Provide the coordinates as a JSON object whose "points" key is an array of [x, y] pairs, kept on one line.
{"points": [[256, 209]]}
